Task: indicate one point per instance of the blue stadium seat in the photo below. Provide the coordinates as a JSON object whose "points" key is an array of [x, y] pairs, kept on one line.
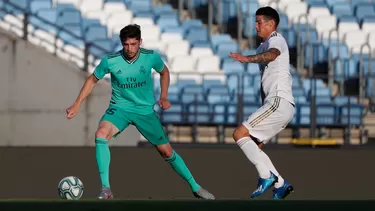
{"points": [[220, 38], [342, 100], [326, 114], [165, 22], [44, 20], [174, 114], [174, 29], [231, 66], [139, 4], [354, 3], [195, 35], [284, 22], [191, 93], [68, 16], [231, 113], [223, 49], [218, 94], [185, 82], [330, 3], [364, 9], [102, 47], [87, 22], [194, 23], [199, 113], [304, 114], [207, 83], [345, 68], [95, 32], [342, 9], [252, 68], [321, 100], [37, 5], [160, 9], [145, 14], [366, 70], [351, 114], [16, 7], [219, 113], [72, 35]]}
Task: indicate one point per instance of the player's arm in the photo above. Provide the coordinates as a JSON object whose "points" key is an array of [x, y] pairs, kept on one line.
{"points": [[86, 89], [162, 69], [265, 57], [164, 83]]}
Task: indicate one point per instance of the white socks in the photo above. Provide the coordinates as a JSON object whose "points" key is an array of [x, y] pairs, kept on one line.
{"points": [[266, 160], [253, 153], [262, 162]]}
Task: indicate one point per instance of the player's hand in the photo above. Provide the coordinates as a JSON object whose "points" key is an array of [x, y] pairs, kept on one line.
{"points": [[238, 57], [164, 104], [72, 111]]}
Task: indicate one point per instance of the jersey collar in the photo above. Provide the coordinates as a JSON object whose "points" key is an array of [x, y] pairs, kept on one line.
{"points": [[128, 61]]}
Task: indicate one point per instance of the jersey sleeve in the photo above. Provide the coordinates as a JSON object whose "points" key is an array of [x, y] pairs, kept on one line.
{"points": [[102, 69], [276, 42], [158, 63]]}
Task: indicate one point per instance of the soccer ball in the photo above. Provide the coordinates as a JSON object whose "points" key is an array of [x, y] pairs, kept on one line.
{"points": [[70, 188]]}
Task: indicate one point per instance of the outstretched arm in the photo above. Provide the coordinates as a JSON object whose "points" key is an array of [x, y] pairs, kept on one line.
{"points": [[264, 57]]}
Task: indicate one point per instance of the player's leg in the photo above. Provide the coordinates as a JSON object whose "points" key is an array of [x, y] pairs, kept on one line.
{"points": [[261, 126], [111, 124], [150, 127]]}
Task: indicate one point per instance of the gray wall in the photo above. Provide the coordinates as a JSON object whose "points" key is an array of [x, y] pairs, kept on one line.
{"points": [[35, 90], [140, 173]]}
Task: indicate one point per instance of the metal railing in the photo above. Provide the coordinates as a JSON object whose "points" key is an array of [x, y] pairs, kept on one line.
{"points": [[88, 58]]}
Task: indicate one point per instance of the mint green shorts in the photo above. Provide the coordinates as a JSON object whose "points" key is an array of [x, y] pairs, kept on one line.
{"points": [[148, 125]]}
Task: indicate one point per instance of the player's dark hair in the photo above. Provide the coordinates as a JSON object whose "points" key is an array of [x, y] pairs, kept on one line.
{"points": [[269, 13], [130, 31]]}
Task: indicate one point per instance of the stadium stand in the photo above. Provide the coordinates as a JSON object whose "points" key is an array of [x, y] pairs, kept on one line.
{"points": [[207, 88]]}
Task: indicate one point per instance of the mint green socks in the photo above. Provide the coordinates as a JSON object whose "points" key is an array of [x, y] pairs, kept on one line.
{"points": [[181, 169], [103, 158]]}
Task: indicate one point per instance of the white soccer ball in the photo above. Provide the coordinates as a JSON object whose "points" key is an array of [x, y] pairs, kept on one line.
{"points": [[70, 188]]}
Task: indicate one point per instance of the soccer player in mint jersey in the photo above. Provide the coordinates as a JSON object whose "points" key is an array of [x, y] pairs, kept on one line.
{"points": [[132, 102]]}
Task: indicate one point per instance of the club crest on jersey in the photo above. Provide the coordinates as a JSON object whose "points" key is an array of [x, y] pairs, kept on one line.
{"points": [[142, 70]]}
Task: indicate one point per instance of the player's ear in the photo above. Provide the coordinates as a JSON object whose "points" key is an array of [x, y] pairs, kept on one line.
{"points": [[140, 42]]}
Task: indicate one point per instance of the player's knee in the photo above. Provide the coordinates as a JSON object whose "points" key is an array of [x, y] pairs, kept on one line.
{"points": [[165, 150], [102, 133], [240, 132]]}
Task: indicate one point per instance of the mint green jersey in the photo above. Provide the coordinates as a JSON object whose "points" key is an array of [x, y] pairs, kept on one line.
{"points": [[132, 84]]}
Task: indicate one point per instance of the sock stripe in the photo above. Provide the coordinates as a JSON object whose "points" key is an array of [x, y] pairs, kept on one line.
{"points": [[243, 141], [101, 141], [172, 158], [267, 113]]}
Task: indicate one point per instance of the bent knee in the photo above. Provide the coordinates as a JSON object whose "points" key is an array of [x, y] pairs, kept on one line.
{"points": [[240, 132], [103, 133]]}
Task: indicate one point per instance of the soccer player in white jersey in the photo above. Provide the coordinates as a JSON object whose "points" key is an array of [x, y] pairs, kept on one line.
{"points": [[278, 103]]}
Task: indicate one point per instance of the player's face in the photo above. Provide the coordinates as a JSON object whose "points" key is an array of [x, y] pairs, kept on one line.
{"points": [[263, 26], [131, 47]]}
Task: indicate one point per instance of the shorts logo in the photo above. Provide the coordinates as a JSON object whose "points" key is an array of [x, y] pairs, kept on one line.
{"points": [[142, 70], [119, 72]]}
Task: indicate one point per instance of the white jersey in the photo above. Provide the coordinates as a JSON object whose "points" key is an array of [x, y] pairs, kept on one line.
{"points": [[276, 80]]}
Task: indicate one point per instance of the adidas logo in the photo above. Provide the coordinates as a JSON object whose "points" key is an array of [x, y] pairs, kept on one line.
{"points": [[161, 138], [119, 72]]}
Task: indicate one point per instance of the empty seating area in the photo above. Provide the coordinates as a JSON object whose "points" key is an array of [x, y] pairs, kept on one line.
{"points": [[205, 84]]}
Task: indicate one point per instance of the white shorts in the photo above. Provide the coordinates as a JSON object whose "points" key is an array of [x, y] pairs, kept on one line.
{"points": [[270, 119]]}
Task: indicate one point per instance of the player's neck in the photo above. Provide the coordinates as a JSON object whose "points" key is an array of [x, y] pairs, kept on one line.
{"points": [[269, 35], [128, 58]]}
